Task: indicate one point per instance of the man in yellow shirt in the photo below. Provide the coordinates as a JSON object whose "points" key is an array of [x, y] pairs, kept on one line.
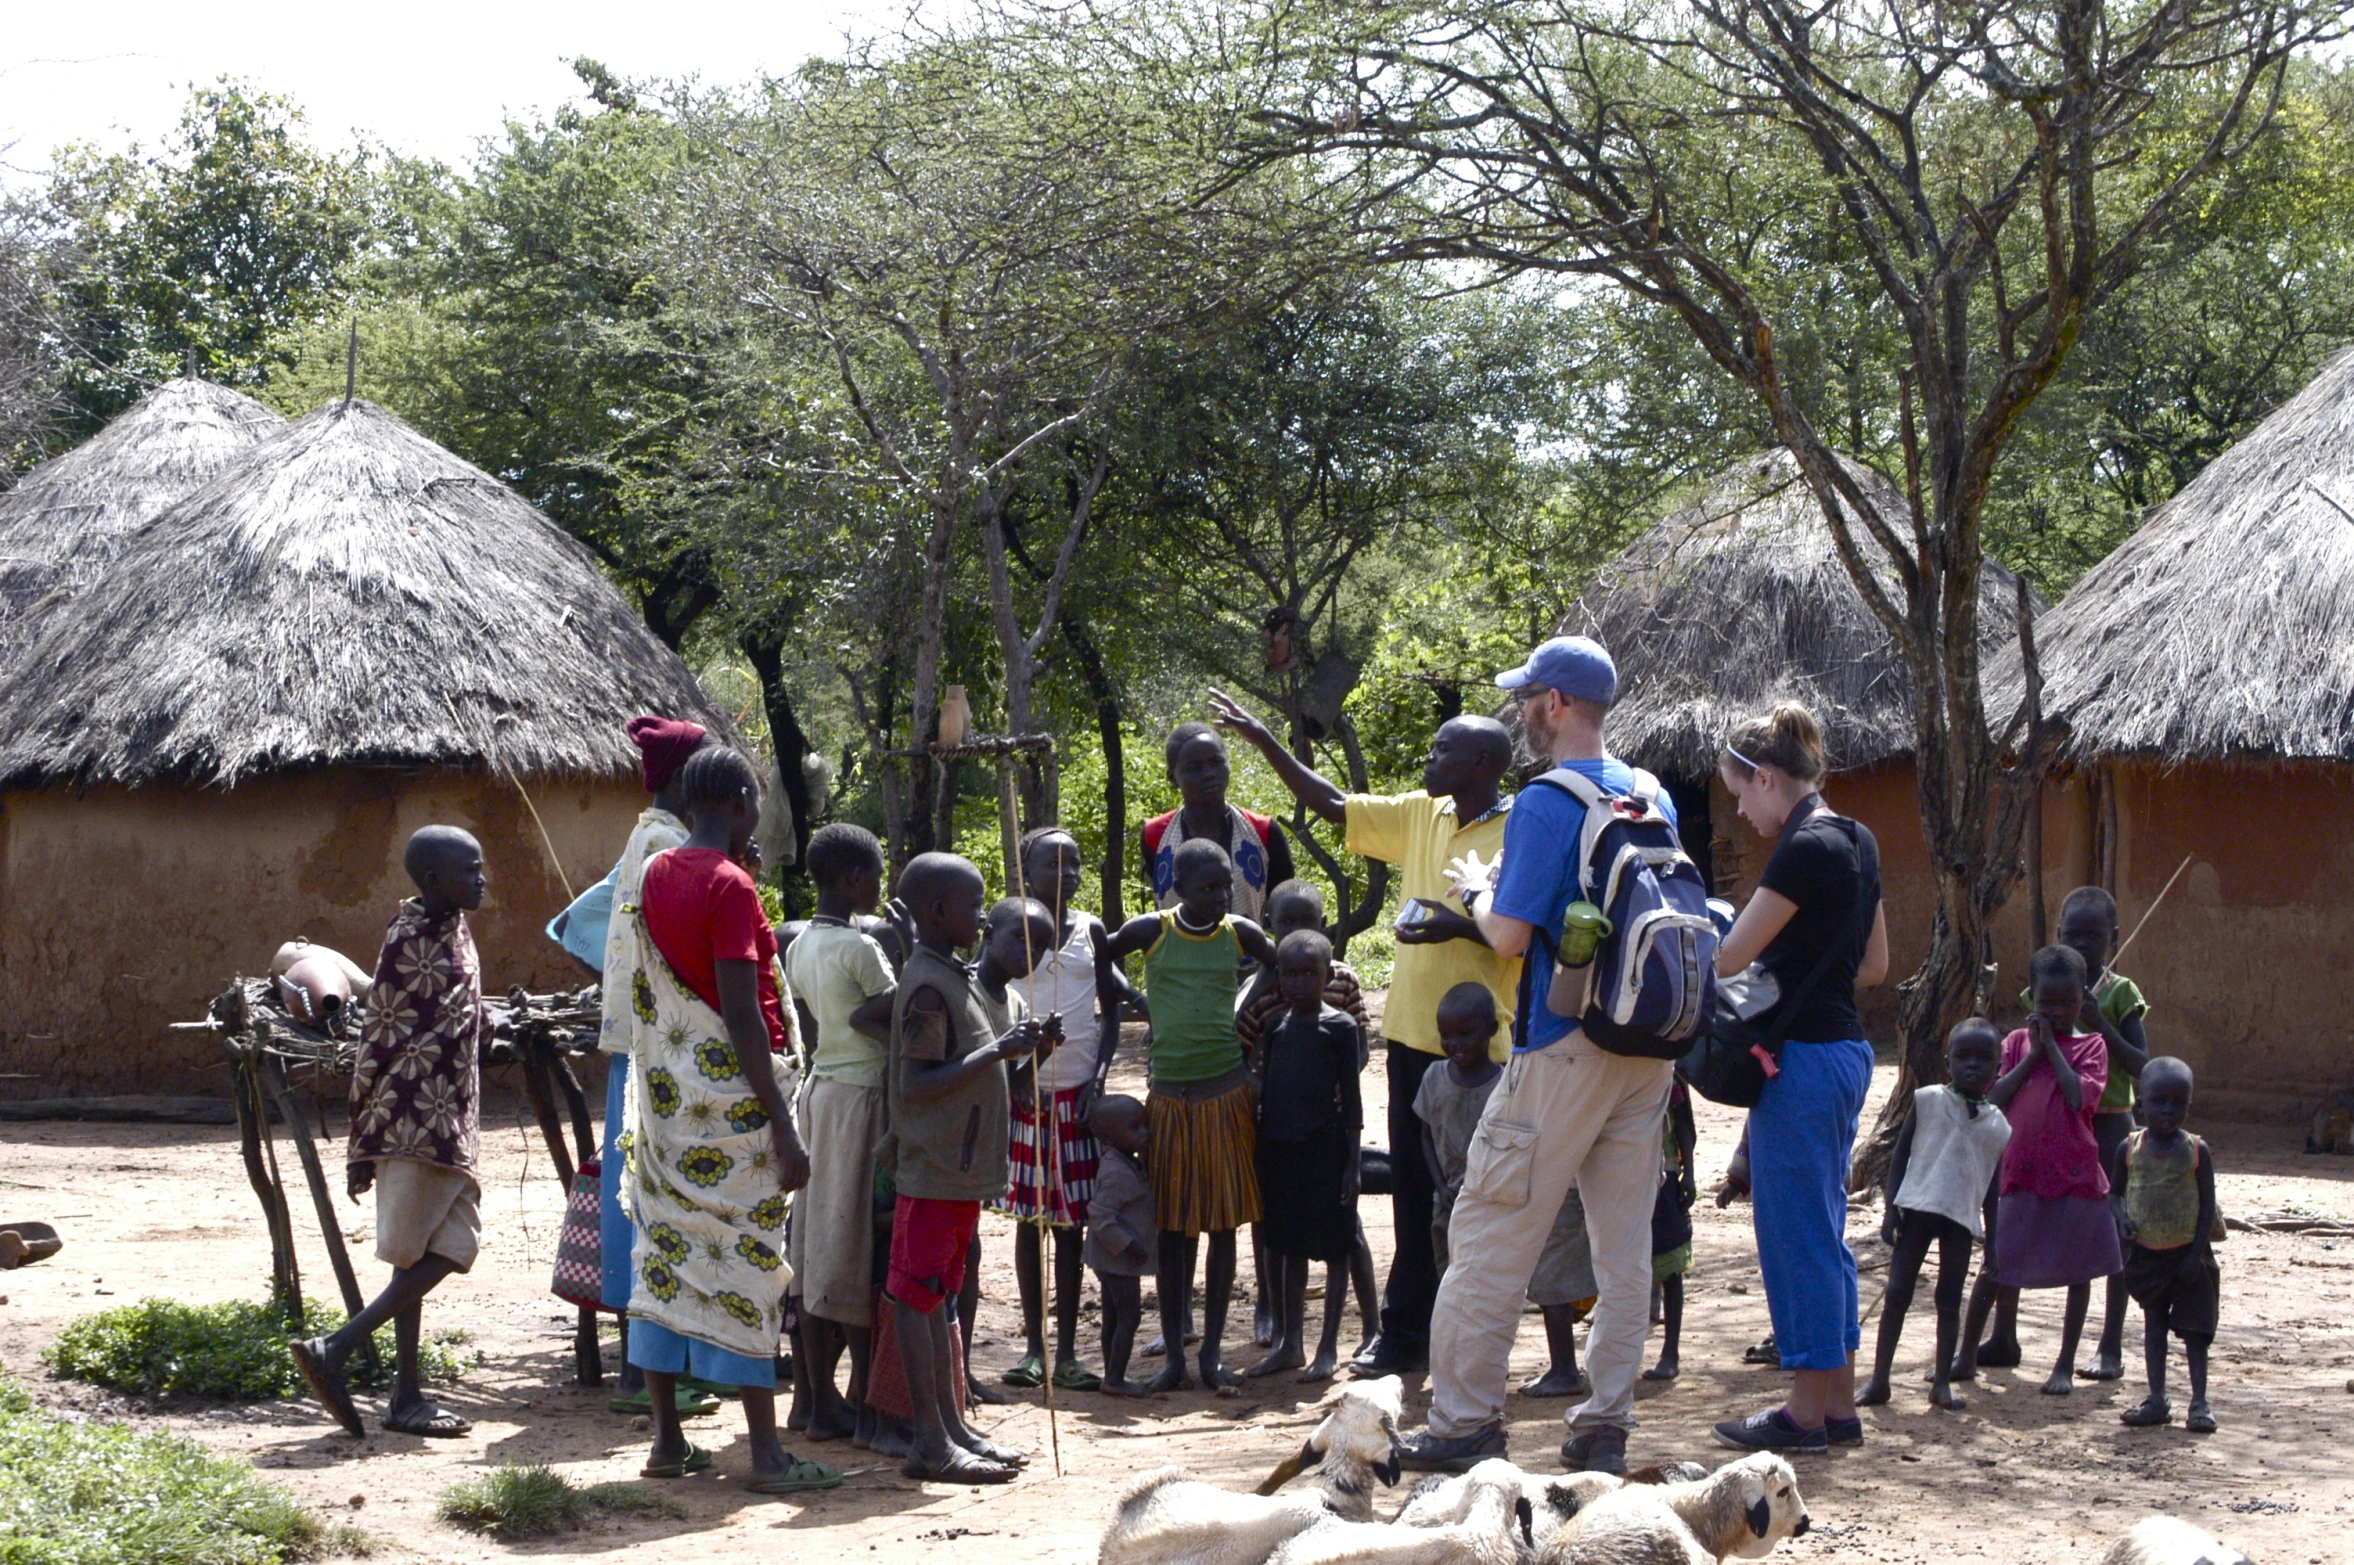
{"points": [[1457, 811]]}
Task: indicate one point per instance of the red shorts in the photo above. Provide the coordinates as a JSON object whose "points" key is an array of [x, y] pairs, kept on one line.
{"points": [[929, 1241]]}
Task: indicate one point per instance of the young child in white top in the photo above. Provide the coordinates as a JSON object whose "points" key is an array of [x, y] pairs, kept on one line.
{"points": [[1944, 1164]]}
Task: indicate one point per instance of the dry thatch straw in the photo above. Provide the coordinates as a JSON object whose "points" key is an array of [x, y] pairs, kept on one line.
{"points": [[62, 523], [2225, 625], [1740, 600], [349, 594]]}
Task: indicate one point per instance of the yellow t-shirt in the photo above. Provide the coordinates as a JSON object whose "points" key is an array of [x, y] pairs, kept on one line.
{"points": [[1419, 835]]}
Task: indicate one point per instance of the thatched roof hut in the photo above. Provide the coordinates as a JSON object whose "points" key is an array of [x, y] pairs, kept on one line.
{"points": [[1737, 601], [224, 741], [2205, 672], [62, 522]]}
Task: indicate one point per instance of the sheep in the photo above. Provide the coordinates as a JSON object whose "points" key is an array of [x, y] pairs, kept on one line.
{"points": [[1742, 1509], [1169, 1518], [1494, 1529], [2162, 1540], [1439, 1501]]}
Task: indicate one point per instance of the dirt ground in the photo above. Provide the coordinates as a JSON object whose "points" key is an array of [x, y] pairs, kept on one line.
{"points": [[2018, 1477]]}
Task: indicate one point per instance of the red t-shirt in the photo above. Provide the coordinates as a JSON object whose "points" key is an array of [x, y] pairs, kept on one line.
{"points": [[702, 909]]}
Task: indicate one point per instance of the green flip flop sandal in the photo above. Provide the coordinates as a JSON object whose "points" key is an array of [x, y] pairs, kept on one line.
{"points": [[690, 1403], [1028, 1374], [694, 1461], [801, 1478], [709, 1388], [1071, 1375]]}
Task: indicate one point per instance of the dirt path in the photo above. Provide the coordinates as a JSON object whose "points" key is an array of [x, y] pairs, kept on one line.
{"points": [[2019, 1477]]}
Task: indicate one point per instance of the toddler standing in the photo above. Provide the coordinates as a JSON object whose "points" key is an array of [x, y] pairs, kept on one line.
{"points": [[1122, 1233], [1945, 1159], [2163, 1193]]}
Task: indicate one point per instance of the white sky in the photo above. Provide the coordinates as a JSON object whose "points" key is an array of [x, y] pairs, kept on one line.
{"points": [[425, 76]]}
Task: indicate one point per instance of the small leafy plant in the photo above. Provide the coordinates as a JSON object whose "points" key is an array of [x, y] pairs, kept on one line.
{"points": [[161, 1347], [531, 1502], [103, 1494]]}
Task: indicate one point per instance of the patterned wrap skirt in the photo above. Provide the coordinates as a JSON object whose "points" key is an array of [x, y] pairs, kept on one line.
{"points": [[1205, 1148], [1066, 1172]]}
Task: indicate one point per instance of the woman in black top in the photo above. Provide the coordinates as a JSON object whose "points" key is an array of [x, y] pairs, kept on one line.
{"points": [[1824, 872]]}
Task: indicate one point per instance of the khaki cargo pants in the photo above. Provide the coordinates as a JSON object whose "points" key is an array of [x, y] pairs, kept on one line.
{"points": [[1566, 1115]]}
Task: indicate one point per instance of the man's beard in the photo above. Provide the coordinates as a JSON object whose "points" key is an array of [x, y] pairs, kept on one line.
{"points": [[1539, 731]]}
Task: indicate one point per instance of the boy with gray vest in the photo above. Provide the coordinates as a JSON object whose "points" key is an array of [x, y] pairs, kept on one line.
{"points": [[949, 1112]]}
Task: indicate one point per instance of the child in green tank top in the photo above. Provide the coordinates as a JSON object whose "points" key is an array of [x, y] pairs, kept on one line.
{"points": [[1203, 1173], [2162, 1190]]}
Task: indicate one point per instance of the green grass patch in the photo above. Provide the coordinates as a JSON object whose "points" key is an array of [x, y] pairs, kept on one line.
{"points": [[161, 1347], [531, 1502], [103, 1494]]}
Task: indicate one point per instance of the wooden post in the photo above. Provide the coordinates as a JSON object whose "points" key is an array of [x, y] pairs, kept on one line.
{"points": [[538, 1060], [273, 1079], [253, 1130]]}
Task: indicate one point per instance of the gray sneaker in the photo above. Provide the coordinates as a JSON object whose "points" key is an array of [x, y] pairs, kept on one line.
{"points": [[1601, 1449], [1429, 1453]]}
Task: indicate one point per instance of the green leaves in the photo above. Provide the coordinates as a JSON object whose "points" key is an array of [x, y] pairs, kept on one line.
{"points": [[162, 1347]]}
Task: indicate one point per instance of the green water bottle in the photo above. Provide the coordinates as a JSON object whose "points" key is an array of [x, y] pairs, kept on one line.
{"points": [[1583, 927]]}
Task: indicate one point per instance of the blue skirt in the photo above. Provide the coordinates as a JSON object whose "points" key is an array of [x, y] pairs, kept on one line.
{"points": [[613, 1230], [655, 1346], [1801, 1135]]}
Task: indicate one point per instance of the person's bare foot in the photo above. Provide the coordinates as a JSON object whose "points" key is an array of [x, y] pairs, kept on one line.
{"points": [[1874, 1392], [1668, 1368], [1217, 1376], [1557, 1382], [1320, 1370], [1171, 1378], [1263, 1327], [1123, 1388], [2104, 1366], [1963, 1367], [892, 1437], [2002, 1354], [987, 1396], [958, 1466], [834, 1423], [1276, 1363], [2062, 1383], [1944, 1396]]}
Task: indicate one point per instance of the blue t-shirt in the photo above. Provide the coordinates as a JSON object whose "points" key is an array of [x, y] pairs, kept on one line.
{"points": [[1540, 876]]}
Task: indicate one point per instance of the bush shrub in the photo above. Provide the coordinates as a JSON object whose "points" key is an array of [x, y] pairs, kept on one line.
{"points": [[161, 1347], [531, 1502]]}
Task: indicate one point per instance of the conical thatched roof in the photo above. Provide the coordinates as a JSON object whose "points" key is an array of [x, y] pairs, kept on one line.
{"points": [[347, 594], [1740, 600], [2225, 626], [61, 524]]}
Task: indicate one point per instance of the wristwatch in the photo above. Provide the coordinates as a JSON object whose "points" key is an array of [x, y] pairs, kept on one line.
{"points": [[1469, 896]]}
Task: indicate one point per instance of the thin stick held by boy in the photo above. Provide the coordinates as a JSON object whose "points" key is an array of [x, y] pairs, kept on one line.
{"points": [[415, 1126]]}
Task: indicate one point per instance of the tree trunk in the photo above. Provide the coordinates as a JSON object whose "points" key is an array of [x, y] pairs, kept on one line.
{"points": [[928, 800], [764, 649], [1115, 772]]}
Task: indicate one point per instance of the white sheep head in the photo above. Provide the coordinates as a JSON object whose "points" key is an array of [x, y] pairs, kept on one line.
{"points": [[1358, 1436], [1770, 1503]]}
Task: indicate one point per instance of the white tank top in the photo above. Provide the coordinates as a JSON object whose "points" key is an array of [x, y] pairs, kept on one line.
{"points": [[1064, 985]]}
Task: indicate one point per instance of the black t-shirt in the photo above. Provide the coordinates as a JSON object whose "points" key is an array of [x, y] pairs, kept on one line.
{"points": [[1818, 866], [1311, 1079]]}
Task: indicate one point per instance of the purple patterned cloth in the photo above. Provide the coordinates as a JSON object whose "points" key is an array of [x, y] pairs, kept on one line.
{"points": [[416, 1083]]}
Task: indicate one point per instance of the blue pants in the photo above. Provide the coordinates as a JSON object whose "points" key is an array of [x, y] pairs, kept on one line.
{"points": [[1800, 1137], [658, 1348], [613, 1227]]}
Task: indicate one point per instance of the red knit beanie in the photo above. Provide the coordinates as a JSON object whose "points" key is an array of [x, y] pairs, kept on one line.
{"points": [[664, 743]]}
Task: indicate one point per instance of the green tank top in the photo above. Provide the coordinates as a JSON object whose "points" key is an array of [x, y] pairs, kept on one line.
{"points": [[2162, 1192], [1190, 982]]}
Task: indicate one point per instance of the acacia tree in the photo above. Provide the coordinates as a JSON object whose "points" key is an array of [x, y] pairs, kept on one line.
{"points": [[1992, 172]]}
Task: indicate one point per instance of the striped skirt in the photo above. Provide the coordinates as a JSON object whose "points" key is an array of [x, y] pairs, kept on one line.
{"points": [[1205, 1176], [1068, 1174]]}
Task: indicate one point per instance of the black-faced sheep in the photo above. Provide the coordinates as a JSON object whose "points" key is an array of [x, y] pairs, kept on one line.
{"points": [[2162, 1540], [1168, 1518], [1739, 1511]]}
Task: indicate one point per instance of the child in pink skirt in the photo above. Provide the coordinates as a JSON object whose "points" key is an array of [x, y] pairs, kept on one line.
{"points": [[2053, 1225]]}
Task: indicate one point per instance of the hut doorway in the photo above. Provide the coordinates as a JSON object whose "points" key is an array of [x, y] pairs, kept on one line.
{"points": [[1693, 824]]}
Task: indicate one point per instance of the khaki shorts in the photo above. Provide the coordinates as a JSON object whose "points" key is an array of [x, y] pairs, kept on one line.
{"points": [[832, 1249], [423, 1208]]}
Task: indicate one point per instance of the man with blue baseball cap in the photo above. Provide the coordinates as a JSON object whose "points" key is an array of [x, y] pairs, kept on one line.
{"points": [[1567, 1114]]}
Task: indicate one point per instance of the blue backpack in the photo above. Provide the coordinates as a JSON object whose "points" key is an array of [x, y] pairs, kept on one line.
{"points": [[1651, 988]]}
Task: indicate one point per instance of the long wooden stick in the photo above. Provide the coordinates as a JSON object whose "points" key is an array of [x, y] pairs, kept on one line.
{"points": [[1040, 1124], [2153, 907]]}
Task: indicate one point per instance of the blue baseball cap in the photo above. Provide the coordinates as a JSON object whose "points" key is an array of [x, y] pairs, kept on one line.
{"points": [[1573, 665]]}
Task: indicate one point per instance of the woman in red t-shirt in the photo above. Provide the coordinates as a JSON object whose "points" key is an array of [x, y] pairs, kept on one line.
{"points": [[704, 920]]}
